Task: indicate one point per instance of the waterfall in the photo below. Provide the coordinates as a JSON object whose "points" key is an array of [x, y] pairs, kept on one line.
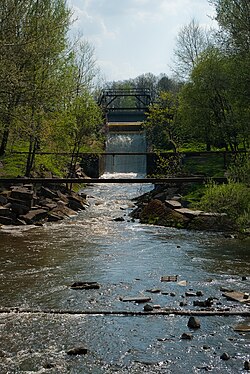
{"points": [[129, 142]]}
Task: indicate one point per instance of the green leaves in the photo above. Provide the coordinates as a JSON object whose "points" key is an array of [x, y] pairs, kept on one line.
{"points": [[45, 84], [234, 18], [211, 103], [161, 122]]}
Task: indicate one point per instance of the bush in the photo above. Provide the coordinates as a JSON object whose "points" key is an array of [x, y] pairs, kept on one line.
{"points": [[239, 170], [232, 198], [168, 165]]}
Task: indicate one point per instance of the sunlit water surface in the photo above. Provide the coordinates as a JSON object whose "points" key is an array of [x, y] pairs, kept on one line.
{"points": [[38, 265]]}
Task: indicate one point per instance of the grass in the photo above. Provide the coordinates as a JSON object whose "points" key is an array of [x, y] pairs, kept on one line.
{"points": [[208, 165], [12, 165]]}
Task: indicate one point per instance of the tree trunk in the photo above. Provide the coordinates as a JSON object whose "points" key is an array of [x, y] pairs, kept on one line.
{"points": [[31, 156], [5, 139], [208, 146]]}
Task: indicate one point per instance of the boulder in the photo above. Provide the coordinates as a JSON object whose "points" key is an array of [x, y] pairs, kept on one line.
{"points": [[199, 293], [5, 211], [19, 207], [76, 203], [6, 194], [247, 365], [190, 294], [83, 195], [119, 219], [34, 216], [62, 196], [6, 221], [173, 204], [160, 196], [213, 222], [22, 193], [3, 200], [55, 217], [24, 203], [189, 212], [148, 308], [50, 206], [29, 186], [85, 286], [45, 191], [62, 209], [156, 212], [20, 222], [204, 303]]}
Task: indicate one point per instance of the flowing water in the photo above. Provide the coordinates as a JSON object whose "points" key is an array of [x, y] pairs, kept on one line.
{"points": [[38, 265], [126, 143]]}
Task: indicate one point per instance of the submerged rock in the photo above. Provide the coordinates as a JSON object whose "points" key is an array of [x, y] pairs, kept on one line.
{"points": [[205, 304], [119, 219], [85, 286], [148, 308], [225, 356], [247, 365], [77, 351], [194, 323], [186, 336]]}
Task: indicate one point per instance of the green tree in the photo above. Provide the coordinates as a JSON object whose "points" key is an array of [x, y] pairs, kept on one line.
{"points": [[161, 123], [209, 106], [13, 18], [47, 30], [233, 17], [34, 39]]}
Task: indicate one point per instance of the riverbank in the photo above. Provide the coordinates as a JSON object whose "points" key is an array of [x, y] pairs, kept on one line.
{"points": [[27, 204], [165, 206]]}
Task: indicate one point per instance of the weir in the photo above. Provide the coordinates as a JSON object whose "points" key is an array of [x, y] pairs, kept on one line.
{"points": [[125, 112], [126, 142]]}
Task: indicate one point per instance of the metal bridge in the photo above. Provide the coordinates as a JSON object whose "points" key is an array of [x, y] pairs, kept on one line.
{"points": [[125, 105]]}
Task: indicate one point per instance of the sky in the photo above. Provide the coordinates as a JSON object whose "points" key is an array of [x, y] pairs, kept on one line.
{"points": [[134, 37]]}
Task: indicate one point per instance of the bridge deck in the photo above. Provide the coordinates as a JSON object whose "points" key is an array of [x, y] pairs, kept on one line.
{"points": [[176, 180]]}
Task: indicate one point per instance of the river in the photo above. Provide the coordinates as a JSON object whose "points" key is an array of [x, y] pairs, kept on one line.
{"points": [[38, 265]]}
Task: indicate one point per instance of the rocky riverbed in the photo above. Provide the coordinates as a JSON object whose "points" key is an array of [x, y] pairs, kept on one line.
{"points": [[27, 204], [165, 206]]}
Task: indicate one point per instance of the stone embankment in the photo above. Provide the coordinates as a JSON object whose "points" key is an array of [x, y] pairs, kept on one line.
{"points": [[164, 206], [25, 205]]}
